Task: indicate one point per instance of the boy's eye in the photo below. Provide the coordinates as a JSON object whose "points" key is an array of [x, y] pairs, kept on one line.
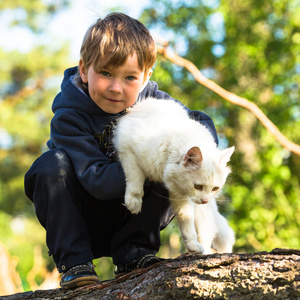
{"points": [[198, 186], [130, 77], [104, 73]]}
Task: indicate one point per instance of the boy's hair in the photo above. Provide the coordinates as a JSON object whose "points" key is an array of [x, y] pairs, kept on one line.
{"points": [[110, 41]]}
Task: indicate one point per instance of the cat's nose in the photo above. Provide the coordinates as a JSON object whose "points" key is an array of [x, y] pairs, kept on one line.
{"points": [[204, 201]]}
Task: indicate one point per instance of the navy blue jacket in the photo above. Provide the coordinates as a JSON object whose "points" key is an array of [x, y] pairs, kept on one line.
{"points": [[84, 131]]}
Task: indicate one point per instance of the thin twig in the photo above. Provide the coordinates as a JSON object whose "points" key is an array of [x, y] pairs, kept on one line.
{"points": [[180, 61]]}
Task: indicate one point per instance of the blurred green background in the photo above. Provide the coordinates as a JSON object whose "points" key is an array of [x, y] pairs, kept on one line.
{"points": [[249, 47]]}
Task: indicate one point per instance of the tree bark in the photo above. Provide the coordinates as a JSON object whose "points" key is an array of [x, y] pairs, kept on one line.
{"points": [[262, 275]]}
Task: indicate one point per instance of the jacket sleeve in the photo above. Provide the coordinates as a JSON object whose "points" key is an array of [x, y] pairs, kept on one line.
{"points": [[100, 177], [152, 91]]}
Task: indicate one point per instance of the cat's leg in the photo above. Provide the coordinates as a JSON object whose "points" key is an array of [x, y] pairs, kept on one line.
{"points": [[185, 218], [205, 226], [135, 179], [224, 239]]}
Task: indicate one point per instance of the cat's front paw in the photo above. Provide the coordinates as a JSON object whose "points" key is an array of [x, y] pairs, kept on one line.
{"points": [[194, 246], [133, 204]]}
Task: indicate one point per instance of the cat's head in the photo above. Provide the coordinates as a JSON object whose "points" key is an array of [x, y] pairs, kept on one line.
{"points": [[200, 176]]}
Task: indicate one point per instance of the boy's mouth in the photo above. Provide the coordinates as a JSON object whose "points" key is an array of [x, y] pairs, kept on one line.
{"points": [[113, 100]]}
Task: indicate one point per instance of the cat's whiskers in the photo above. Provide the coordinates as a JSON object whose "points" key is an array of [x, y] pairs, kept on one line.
{"points": [[169, 198]]}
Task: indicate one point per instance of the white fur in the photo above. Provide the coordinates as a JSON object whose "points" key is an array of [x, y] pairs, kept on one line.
{"points": [[156, 139]]}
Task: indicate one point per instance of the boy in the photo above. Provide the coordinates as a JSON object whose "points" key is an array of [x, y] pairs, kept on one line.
{"points": [[78, 186]]}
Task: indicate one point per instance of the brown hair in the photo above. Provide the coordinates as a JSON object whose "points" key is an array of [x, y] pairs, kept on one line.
{"points": [[110, 41]]}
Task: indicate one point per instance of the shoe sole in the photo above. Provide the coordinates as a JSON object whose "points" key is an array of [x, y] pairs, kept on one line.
{"points": [[79, 282], [118, 275], [121, 274]]}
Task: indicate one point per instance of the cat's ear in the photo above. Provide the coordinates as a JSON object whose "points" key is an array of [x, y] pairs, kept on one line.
{"points": [[193, 157], [225, 155]]}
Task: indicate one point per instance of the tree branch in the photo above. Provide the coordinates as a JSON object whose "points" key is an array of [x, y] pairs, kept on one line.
{"points": [[180, 61], [262, 275]]}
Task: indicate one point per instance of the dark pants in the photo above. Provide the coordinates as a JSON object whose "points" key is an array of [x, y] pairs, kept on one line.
{"points": [[80, 228]]}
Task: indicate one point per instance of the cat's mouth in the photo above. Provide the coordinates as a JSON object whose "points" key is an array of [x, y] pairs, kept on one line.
{"points": [[199, 201]]}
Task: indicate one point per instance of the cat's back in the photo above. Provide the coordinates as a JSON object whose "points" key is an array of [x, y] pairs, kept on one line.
{"points": [[152, 116], [159, 121], [153, 121], [159, 109]]}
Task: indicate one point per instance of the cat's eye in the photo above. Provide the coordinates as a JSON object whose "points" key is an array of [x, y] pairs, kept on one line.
{"points": [[215, 189], [198, 186]]}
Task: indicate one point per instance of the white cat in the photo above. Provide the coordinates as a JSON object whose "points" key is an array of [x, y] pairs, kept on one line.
{"points": [[156, 139]]}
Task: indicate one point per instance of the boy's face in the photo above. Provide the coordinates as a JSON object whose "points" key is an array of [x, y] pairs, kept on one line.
{"points": [[114, 90]]}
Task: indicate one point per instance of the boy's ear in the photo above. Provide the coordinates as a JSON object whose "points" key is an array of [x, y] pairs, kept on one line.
{"points": [[83, 71], [150, 72]]}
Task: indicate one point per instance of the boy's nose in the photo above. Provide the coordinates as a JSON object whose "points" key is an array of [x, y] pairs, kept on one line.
{"points": [[115, 86]]}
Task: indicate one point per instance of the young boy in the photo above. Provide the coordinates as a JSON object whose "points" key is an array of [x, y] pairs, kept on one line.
{"points": [[78, 186]]}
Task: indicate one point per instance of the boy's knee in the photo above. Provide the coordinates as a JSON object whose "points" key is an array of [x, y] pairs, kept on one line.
{"points": [[53, 164], [58, 163], [48, 168]]}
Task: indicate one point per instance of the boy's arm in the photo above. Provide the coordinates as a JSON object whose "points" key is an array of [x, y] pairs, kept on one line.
{"points": [[151, 90], [206, 121], [100, 177]]}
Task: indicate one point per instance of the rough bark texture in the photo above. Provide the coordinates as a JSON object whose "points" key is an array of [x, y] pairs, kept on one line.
{"points": [[263, 275]]}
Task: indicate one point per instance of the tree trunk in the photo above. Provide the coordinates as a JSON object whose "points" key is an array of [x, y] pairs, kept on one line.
{"points": [[263, 275]]}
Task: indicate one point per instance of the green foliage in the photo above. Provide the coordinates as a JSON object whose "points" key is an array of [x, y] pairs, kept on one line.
{"points": [[248, 47], [28, 85], [27, 234], [35, 13]]}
